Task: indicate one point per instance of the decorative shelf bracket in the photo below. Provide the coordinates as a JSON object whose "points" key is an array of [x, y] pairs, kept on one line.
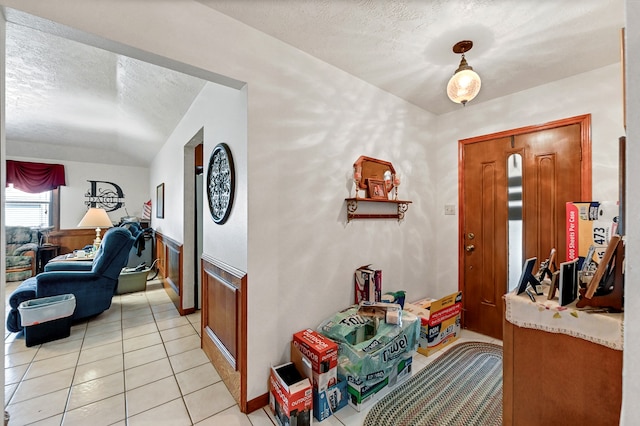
{"points": [[352, 208]]}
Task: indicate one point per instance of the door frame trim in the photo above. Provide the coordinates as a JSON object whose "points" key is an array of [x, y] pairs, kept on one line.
{"points": [[585, 171]]}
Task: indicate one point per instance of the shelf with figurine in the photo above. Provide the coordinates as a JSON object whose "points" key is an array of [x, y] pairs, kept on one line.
{"points": [[379, 180]]}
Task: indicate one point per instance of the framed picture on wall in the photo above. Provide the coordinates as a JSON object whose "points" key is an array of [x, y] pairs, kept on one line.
{"points": [[160, 201], [377, 189]]}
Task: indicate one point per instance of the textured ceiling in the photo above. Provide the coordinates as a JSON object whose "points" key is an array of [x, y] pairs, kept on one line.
{"points": [[70, 101], [63, 94], [405, 46]]}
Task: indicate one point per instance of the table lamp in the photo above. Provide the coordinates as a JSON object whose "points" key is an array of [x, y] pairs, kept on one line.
{"points": [[96, 218]]}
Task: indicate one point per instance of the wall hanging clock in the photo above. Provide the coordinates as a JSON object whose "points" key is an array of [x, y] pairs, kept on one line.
{"points": [[220, 183]]}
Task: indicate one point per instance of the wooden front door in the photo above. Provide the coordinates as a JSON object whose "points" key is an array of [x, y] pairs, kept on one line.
{"points": [[556, 169]]}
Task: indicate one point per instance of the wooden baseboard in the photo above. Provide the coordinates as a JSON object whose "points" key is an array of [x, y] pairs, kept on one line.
{"points": [[257, 403]]}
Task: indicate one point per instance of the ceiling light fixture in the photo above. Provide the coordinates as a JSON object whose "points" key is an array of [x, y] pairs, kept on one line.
{"points": [[465, 83]]}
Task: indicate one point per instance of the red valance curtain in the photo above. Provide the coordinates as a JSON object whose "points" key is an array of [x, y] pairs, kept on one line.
{"points": [[34, 177]]}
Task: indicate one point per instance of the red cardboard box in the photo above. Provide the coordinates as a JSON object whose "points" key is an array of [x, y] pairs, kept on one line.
{"points": [[290, 396], [320, 350], [368, 284]]}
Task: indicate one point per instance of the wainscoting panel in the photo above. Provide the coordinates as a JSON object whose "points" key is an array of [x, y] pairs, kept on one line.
{"points": [[73, 239], [224, 324], [170, 261]]}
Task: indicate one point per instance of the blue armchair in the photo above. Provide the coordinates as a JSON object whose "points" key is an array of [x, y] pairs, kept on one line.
{"points": [[92, 283]]}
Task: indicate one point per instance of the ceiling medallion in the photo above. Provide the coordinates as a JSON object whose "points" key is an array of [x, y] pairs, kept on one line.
{"points": [[220, 183]]}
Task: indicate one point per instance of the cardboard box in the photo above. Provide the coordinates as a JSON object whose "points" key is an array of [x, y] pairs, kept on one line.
{"points": [[361, 392], [440, 321], [290, 396], [590, 223], [368, 284], [327, 402], [329, 395], [319, 381], [320, 350]]}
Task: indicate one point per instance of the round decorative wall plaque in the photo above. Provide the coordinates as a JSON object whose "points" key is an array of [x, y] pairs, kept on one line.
{"points": [[220, 183]]}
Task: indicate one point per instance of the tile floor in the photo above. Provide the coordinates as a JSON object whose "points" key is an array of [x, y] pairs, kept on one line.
{"points": [[139, 363]]}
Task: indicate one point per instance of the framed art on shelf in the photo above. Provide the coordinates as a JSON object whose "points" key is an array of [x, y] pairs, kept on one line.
{"points": [[377, 189], [160, 201]]}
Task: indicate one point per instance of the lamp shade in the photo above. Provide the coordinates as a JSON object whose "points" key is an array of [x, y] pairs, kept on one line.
{"points": [[95, 218], [463, 86]]}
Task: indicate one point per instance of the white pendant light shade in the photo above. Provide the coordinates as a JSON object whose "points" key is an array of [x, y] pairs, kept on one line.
{"points": [[465, 83], [463, 86]]}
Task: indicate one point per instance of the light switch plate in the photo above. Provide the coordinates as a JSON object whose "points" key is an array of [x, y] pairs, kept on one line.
{"points": [[450, 209]]}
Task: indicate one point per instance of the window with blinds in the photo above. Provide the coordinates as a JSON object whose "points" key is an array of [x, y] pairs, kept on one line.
{"points": [[25, 209]]}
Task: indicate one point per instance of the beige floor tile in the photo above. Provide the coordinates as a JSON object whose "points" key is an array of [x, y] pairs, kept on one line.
{"points": [[51, 421], [102, 339], [147, 373], [43, 385], [195, 318], [40, 408], [77, 332], [96, 390], [104, 412], [143, 356], [101, 368], [172, 413], [92, 330], [20, 358], [229, 417], [112, 314], [14, 374], [189, 359], [136, 321], [17, 345], [57, 348], [168, 306], [163, 315], [152, 395], [262, 417], [171, 323], [208, 401], [51, 365], [140, 312], [182, 345], [139, 330], [177, 332], [100, 352], [9, 390], [141, 342], [197, 378]]}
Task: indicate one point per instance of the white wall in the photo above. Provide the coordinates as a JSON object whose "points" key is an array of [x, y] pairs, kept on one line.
{"points": [[631, 368], [134, 182], [598, 93], [221, 111]]}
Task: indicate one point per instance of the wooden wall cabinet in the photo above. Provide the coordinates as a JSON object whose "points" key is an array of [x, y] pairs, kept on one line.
{"points": [[554, 378]]}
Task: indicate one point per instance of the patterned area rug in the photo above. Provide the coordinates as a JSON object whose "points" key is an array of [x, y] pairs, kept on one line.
{"points": [[462, 387]]}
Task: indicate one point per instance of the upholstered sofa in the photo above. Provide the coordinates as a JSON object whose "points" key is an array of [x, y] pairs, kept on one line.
{"points": [[21, 250], [92, 283]]}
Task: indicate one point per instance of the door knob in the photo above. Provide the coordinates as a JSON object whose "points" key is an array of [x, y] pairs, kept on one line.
{"points": [[470, 248]]}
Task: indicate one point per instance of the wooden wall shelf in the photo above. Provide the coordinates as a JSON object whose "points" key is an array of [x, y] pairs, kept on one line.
{"points": [[352, 208]]}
